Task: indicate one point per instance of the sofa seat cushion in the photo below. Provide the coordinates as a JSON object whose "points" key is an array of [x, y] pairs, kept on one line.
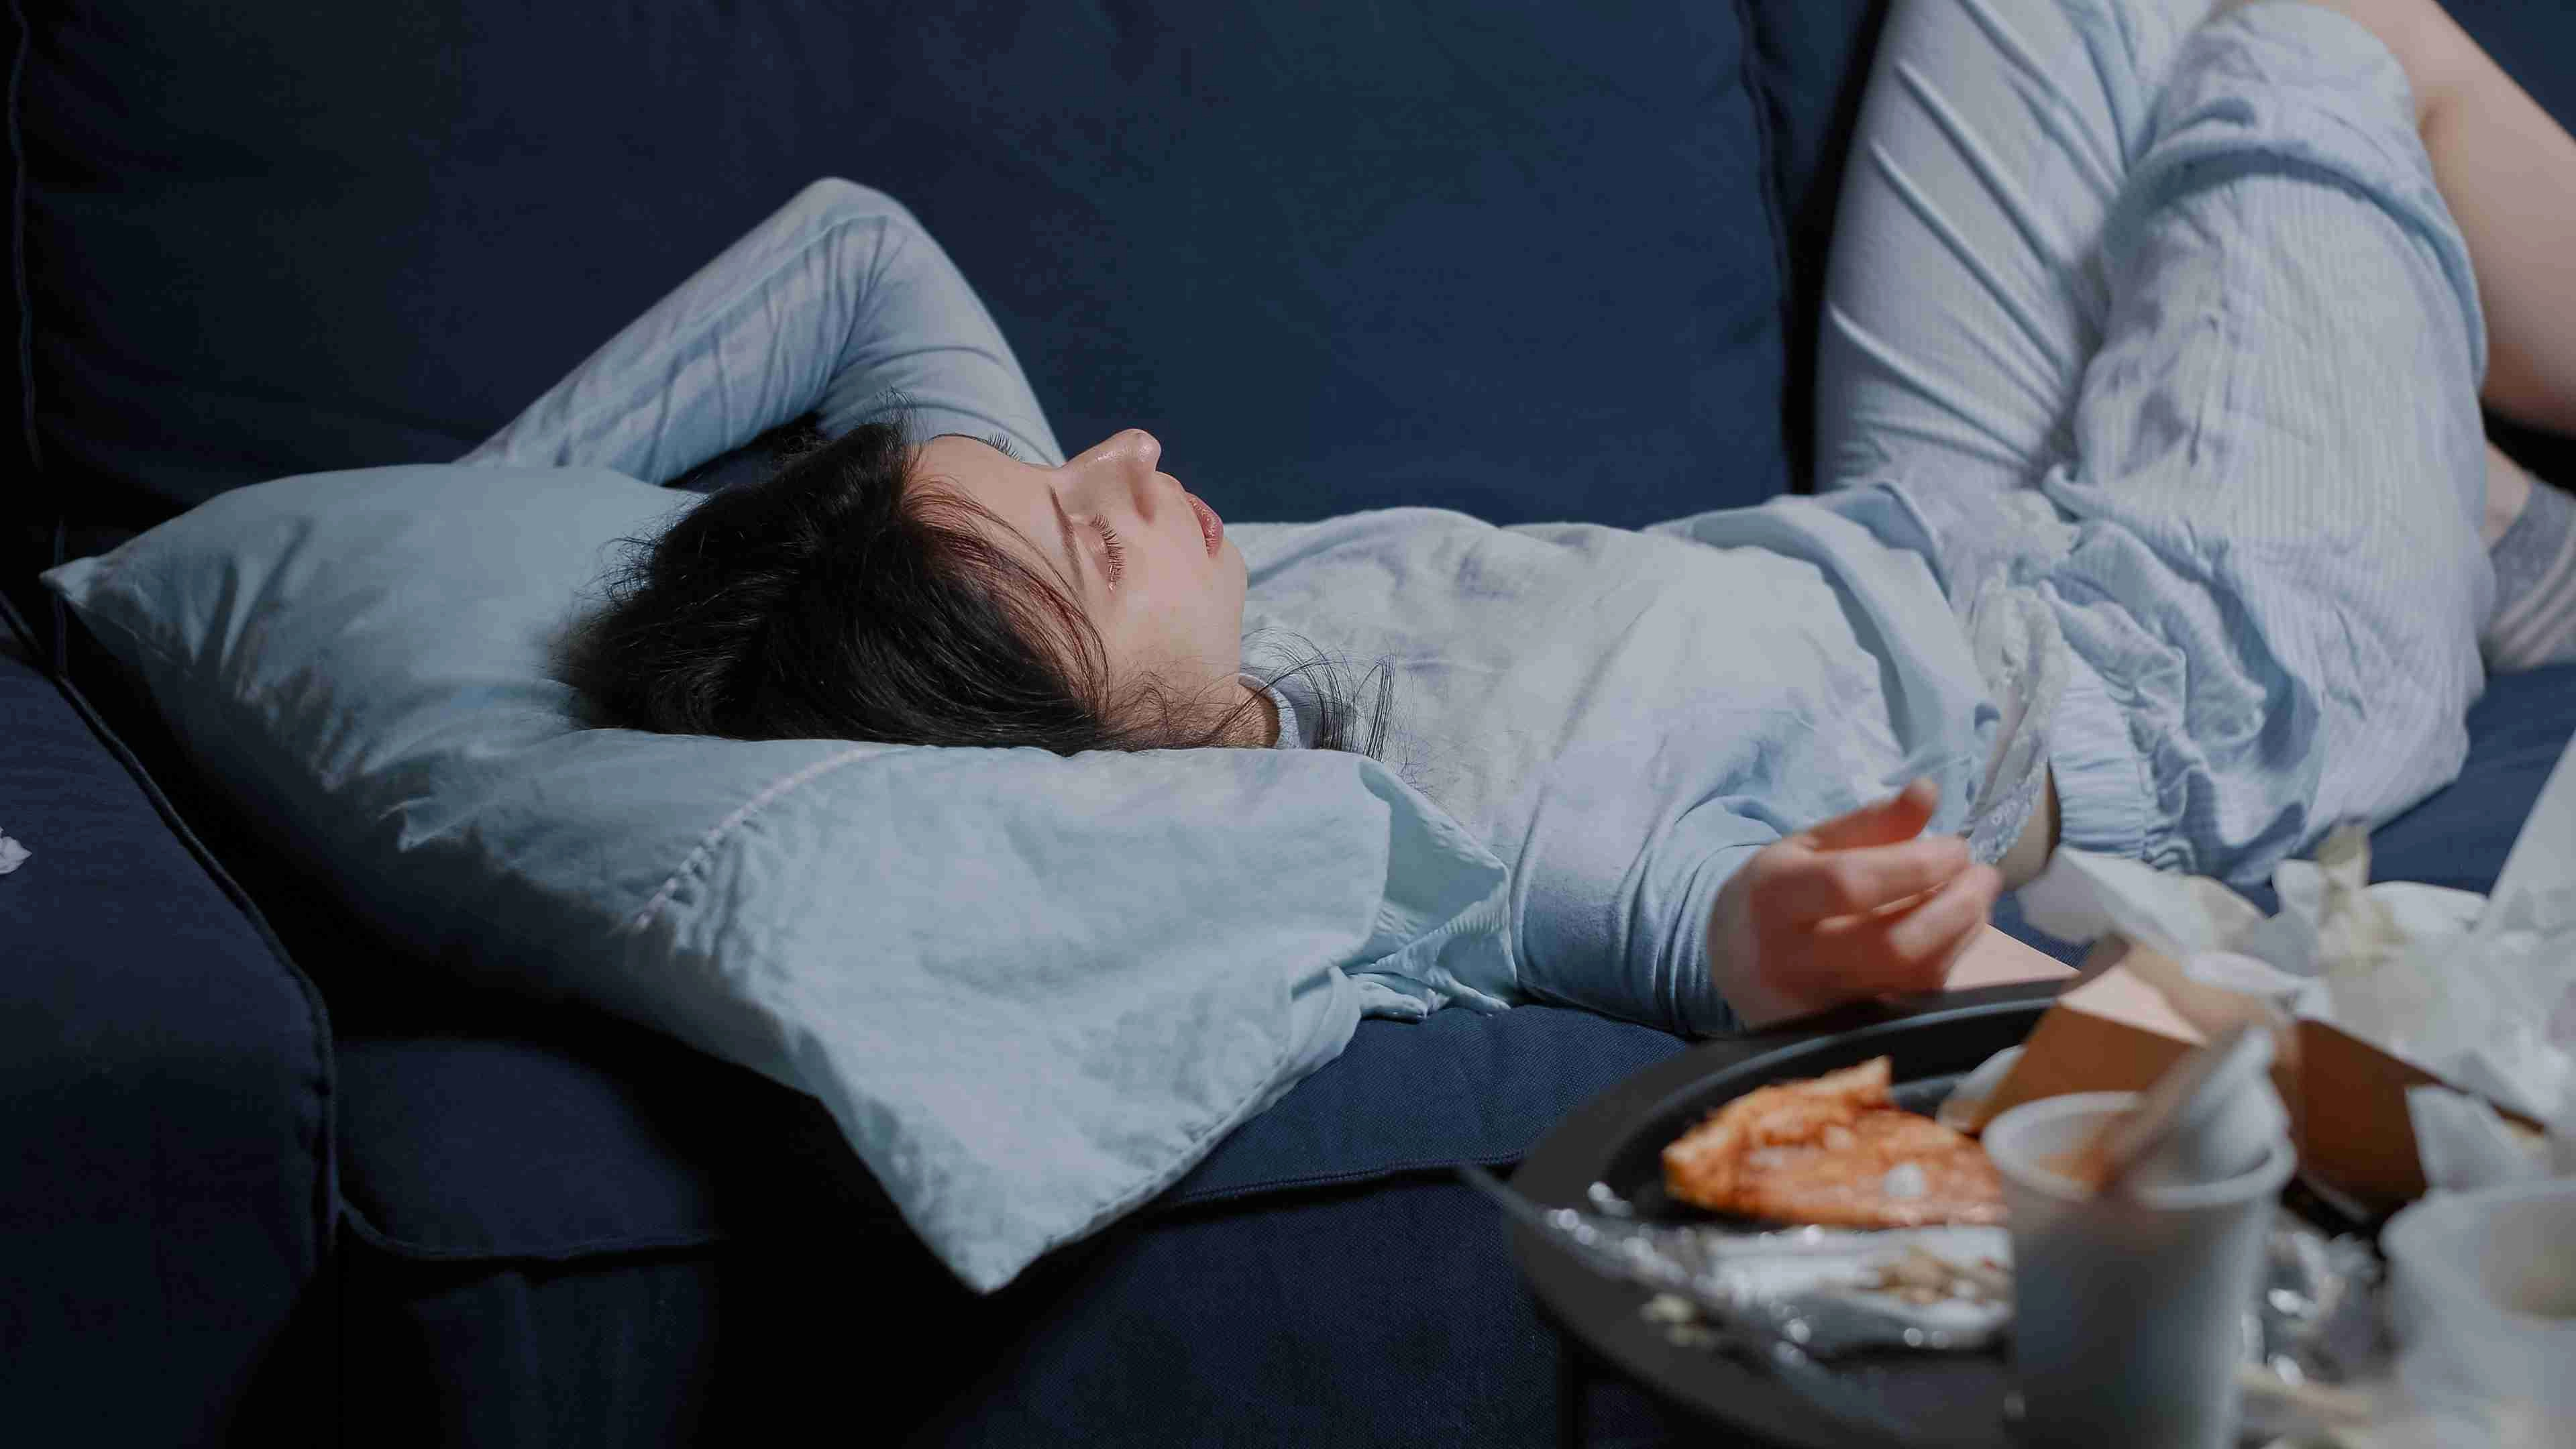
{"points": [[169, 1080], [505, 1131], [516, 1131], [2459, 837]]}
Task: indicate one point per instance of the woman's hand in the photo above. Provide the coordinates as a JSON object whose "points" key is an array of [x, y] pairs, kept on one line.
{"points": [[1863, 905]]}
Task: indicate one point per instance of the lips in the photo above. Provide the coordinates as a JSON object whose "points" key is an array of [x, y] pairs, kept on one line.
{"points": [[1211, 527]]}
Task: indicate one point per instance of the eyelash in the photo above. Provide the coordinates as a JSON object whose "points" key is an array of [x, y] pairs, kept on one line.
{"points": [[1108, 535], [1117, 553]]}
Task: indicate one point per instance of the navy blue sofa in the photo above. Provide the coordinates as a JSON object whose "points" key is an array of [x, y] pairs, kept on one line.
{"points": [[265, 1181]]}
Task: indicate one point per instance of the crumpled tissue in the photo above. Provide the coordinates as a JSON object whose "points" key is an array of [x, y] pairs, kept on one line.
{"points": [[12, 855], [2478, 990]]}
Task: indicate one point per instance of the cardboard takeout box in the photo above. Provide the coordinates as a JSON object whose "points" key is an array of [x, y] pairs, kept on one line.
{"points": [[2119, 1030]]}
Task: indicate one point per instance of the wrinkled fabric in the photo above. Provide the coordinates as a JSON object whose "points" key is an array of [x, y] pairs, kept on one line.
{"points": [[1625, 716], [2162, 325], [839, 303]]}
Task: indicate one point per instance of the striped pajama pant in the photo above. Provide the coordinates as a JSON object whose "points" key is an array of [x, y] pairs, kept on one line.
{"points": [[2158, 319]]}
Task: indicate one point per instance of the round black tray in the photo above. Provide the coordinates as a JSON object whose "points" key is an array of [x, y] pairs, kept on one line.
{"points": [[1617, 1139]]}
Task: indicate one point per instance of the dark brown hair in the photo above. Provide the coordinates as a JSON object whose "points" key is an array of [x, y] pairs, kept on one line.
{"points": [[832, 600]]}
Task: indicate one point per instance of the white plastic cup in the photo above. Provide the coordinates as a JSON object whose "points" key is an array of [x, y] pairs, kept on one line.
{"points": [[2226, 1140], [2130, 1309], [2482, 1298], [2225, 1128]]}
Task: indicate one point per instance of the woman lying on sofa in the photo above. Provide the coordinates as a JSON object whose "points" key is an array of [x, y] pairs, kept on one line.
{"points": [[2157, 518]]}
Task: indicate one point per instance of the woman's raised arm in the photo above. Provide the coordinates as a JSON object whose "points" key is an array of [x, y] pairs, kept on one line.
{"points": [[838, 303]]}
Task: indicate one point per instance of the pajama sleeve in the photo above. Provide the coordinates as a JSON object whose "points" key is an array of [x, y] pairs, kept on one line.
{"points": [[1630, 939], [840, 303]]}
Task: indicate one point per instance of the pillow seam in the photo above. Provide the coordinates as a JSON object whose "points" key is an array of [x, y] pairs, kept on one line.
{"points": [[706, 846]]}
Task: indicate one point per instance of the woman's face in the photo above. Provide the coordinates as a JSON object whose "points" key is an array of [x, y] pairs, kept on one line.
{"points": [[1127, 544]]}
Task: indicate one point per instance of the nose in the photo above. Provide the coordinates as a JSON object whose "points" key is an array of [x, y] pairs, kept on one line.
{"points": [[1138, 449], [1128, 459]]}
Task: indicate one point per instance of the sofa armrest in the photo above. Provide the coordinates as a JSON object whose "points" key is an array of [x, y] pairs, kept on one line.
{"points": [[166, 1184]]}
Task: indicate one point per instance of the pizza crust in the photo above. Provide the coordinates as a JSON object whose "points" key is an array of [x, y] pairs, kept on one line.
{"points": [[1835, 1150]]}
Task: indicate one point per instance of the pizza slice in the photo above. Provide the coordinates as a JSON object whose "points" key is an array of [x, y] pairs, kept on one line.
{"points": [[1837, 1150]]}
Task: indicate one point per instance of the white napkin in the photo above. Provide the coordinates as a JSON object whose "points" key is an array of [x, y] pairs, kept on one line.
{"points": [[2479, 990]]}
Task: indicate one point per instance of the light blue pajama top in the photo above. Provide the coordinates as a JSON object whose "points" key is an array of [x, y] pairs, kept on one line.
{"points": [[1625, 716]]}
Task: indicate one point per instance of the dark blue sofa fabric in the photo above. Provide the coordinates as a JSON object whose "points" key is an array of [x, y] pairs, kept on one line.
{"points": [[1510, 258], [167, 1086], [569, 1231], [1811, 64], [1388, 1316], [497, 1131]]}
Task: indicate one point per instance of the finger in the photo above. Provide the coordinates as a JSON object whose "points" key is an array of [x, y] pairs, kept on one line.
{"points": [[1900, 816], [1913, 950], [1819, 884], [1931, 936], [1947, 958]]}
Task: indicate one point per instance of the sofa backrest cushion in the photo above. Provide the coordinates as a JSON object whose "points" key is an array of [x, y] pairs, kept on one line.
{"points": [[1513, 259]]}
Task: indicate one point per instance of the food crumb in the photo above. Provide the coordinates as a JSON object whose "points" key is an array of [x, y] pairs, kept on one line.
{"points": [[1924, 1278], [1905, 1180], [1681, 1322], [1670, 1308]]}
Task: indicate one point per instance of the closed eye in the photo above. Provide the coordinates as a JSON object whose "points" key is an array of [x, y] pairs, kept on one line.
{"points": [[1117, 551], [1001, 444]]}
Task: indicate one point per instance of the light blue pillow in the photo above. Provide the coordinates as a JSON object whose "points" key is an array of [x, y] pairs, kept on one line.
{"points": [[1032, 990]]}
